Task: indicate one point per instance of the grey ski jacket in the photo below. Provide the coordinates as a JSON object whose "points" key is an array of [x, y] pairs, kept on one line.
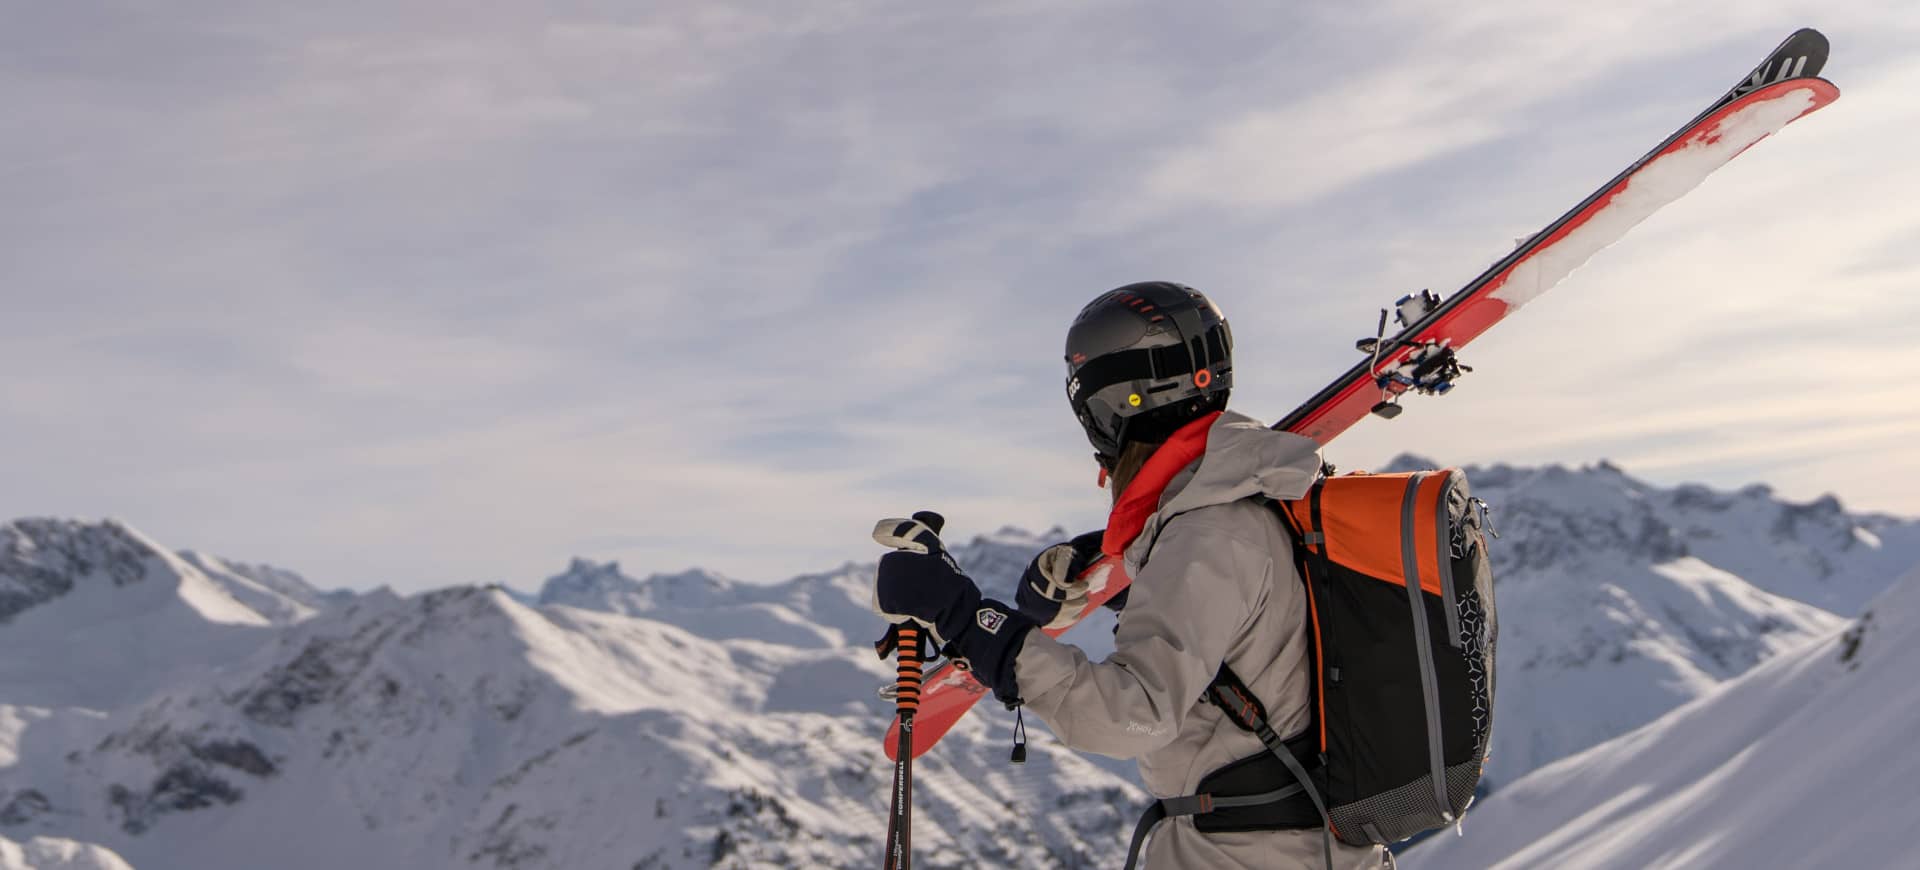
{"points": [[1213, 581]]}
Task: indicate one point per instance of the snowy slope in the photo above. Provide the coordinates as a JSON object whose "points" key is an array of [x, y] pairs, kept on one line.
{"points": [[276, 593], [54, 853], [830, 609], [96, 615], [1615, 606], [281, 604], [461, 728], [1807, 761]]}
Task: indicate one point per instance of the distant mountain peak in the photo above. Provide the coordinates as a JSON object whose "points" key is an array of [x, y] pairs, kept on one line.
{"points": [[583, 573], [689, 577], [42, 558], [592, 585], [1406, 462], [105, 566], [93, 613]]}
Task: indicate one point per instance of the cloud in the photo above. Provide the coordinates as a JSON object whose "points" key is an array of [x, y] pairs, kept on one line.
{"points": [[427, 292], [1429, 83], [1281, 158]]}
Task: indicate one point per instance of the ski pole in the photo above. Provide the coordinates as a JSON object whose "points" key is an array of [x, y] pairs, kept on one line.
{"points": [[909, 643], [906, 639]]}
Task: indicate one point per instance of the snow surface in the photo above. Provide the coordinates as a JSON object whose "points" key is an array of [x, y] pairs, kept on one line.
{"points": [[103, 616], [1663, 180], [1807, 761], [54, 853], [278, 594]]}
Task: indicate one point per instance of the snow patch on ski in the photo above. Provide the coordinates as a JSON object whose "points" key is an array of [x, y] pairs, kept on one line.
{"points": [[1662, 180]]}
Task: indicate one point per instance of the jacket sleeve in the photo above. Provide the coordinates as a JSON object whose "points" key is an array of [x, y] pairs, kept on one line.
{"points": [[1196, 594]]}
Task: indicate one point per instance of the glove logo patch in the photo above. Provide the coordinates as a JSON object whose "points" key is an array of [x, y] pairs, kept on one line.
{"points": [[990, 619]]}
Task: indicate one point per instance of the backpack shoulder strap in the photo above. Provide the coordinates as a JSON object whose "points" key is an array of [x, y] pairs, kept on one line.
{"points": [[1310, 560], [1231, 695]]}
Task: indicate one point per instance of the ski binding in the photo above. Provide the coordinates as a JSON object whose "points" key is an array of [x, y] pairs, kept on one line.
{"points": [[1430, 369]]}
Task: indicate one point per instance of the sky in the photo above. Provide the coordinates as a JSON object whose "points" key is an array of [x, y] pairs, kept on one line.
{"points": [[421, 293]]}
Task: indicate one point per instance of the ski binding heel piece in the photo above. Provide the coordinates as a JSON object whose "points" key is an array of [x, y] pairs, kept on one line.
{"points": [[1408, 309]]}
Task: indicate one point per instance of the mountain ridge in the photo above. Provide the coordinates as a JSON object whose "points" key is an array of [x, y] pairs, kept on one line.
{"points": [[520, 737], [689, 719]]}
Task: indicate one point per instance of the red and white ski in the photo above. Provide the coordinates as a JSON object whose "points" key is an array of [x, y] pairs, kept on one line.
{"points": [[1420, 356]]}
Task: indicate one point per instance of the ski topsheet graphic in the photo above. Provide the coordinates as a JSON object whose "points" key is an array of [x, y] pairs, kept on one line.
{"points": [[1420, 356]]}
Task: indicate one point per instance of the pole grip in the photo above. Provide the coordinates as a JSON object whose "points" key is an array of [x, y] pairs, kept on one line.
{"points": [[908, 671]]}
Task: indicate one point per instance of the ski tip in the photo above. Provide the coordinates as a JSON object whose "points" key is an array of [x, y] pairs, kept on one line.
{"points": [[1803, 54], [1810, 35], [1814, 42]]}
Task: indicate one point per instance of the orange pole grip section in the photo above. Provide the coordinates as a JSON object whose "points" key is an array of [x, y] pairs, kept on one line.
{"points": [[907, 681]]}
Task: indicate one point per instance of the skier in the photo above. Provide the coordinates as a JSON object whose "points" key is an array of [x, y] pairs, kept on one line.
{"points": [[1214, 581]]}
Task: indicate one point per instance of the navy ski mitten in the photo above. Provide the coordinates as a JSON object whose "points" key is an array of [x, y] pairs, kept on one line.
{"points": [[1052, 590], [921, 582]]}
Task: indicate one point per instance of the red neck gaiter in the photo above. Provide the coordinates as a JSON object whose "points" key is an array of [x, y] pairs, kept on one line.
{"points": [[1142, 495]]}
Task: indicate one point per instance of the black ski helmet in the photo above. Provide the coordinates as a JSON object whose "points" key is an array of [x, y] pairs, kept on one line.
{"points": [[1144, 359]]}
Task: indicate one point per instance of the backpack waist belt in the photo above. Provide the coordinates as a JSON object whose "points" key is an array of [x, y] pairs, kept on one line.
{"points": [[1274, 790], [1242, 797]]}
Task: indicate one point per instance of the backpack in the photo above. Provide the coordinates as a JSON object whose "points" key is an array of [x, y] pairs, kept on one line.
{"points": [[1402, 690]]}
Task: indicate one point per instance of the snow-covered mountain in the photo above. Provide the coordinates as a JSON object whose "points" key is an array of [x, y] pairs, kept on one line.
{"points": [[1815, 552], [1616, 603], [462, 728], [183, 710], [1806, 761], [822, 610], [96, 615], [1620, 600]]}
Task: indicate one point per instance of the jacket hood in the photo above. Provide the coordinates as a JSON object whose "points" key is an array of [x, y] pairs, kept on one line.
{"points": [[1243, 458]]}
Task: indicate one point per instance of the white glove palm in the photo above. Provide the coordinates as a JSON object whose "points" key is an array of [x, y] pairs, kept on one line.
{"points": [[1050, 590]]}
